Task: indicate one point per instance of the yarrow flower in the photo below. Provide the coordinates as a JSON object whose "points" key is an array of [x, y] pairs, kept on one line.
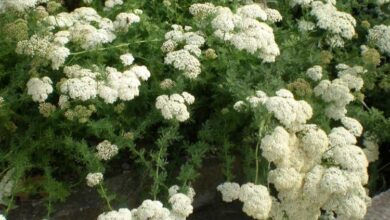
{"points": [[339, 24], [39, 89], [380, 36], [49, 48], [123, 21], [304, 26], [243, 29], [303, 3], [256, 199], [338, 92], [84, 84], [151, 210], [127, 59], [314, 171], [17, 5], [230, 191], [94, 179], [121, 214], [185, 59], [314, 73], [174, 106], [106, 150]]}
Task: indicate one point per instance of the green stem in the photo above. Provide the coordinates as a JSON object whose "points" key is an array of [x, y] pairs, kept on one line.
{"points": [[260, 135], [157, 174], [9, 205], [105, 196]]}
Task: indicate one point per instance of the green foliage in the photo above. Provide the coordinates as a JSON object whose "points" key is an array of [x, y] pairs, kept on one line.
{"points": [[52, 155]]}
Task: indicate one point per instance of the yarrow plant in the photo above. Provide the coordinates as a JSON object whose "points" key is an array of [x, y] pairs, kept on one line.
{"points": [[286, 100]]}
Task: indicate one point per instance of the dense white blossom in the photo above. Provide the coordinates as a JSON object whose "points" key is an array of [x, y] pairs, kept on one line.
{"points": [[181, 205], [18, 5], [39, 89], [203, 9], [380, 35], [174, 106], [285, 178], [287, 110], [304, 26], [94, 179], [314, 73], [89, 37], [275, 145], [83, 88], [48, 48], [127, 59], [273, 15], [121, 214], [300, 2], [315, 171], [185, 59], [337, 93], [84, 84], [339, 24], [106, 150], [112, 3], [230, 191], [243, 29], [151, 210], [352, 125], [2, 217], [123, 21], [256, 199], [239, 106]]}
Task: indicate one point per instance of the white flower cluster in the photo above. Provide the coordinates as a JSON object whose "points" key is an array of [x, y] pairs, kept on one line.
{"points": [[304, 26], [380, 35], [83, 84], [94, 179], [304, 3], [106, 150], [50, 47], [315, 171], [181, 204], [174, 106], [108, 4], [341, 25], [123, 21], [6, 186], [185, 59], [39, 89], [256, 199], [338, 92], [88, 29], [18, 5], [314, 73], [2, 217], [243, 29], [181, 208], [290, 112], [121, 214], [127, 59]]}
